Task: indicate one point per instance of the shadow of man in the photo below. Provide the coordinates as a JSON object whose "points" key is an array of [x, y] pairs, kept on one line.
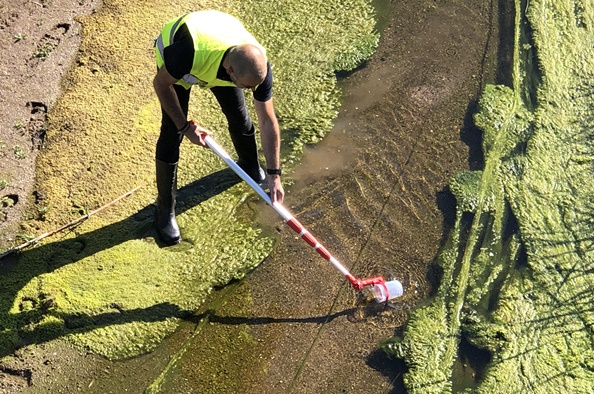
{"points": [[19, 329]]}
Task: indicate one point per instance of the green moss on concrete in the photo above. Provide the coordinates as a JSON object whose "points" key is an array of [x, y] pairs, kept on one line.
{"points": [[518, 278], [107, 285]]}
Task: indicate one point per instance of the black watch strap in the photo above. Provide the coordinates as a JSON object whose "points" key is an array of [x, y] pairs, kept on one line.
{"points": [[274, 171]]}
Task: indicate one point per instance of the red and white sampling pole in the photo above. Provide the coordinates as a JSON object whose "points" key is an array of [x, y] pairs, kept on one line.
{"points": [[383, 291]]}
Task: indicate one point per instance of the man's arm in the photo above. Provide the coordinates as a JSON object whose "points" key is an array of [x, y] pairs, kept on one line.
{"points": [[270, 136], [163, 84]]}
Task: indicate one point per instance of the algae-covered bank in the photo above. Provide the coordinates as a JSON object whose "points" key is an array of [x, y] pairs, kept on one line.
{"points": [[518, 267], [107, 285]]}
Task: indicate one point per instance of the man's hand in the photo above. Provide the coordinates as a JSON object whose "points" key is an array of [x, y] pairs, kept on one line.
{"points": [[277, 193], [195, 133]]}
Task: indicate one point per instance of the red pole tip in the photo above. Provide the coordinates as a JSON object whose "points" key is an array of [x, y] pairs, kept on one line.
{"points": [[376, 280], [358, 284]]}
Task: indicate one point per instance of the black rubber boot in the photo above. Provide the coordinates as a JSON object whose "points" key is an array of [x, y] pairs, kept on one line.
{"points": [[247, 152], [167, 227]]}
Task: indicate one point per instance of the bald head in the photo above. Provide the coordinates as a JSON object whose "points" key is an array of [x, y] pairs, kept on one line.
{"points": [[248, 64]]}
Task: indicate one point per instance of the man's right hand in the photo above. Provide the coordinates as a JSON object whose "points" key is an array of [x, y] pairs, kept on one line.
{"points": [[195, 134], [277, 193]]}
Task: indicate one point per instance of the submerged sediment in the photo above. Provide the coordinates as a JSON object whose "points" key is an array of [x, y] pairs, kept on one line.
{"points": [[518, 266]]}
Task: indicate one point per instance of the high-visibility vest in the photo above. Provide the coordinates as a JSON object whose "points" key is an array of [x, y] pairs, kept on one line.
{"points": [[213, 33]]}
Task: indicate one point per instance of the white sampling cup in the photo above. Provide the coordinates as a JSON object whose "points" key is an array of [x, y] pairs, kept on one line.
{"points": [[391, 290]]}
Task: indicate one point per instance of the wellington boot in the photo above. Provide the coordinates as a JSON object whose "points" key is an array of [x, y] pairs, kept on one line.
{"points": [[166, 224], [247, 152]]}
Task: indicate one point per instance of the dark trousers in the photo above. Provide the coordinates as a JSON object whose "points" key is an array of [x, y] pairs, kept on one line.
{"points": [[232, 102]]}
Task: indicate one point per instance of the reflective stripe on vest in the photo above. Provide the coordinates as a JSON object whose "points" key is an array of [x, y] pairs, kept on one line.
{"points": [[188, 78], [159, 43]]}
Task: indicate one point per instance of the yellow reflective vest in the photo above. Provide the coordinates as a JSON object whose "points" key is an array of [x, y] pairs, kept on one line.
{"points": [[213, 32]]}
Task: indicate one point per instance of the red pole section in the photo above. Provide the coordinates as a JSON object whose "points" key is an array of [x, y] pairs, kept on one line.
{"points": [[309, 238]]}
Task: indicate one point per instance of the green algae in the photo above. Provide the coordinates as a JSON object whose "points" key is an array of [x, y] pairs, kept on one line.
{"points": [[308, 43], [107, 285], [465, 187], [517, 277]]}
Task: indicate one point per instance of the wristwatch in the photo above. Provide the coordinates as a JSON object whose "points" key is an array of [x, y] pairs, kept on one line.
{"points": [[274, 171]]}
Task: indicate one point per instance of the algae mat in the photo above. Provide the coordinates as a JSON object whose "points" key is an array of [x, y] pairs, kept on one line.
{"points": [[107, 285], [518, 267]]}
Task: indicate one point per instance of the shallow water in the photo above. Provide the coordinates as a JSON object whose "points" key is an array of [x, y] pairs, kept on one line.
{"points": [[371, 192]]}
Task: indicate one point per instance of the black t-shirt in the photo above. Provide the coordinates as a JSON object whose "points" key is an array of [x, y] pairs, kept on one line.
{"points": [[179, 57]]}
